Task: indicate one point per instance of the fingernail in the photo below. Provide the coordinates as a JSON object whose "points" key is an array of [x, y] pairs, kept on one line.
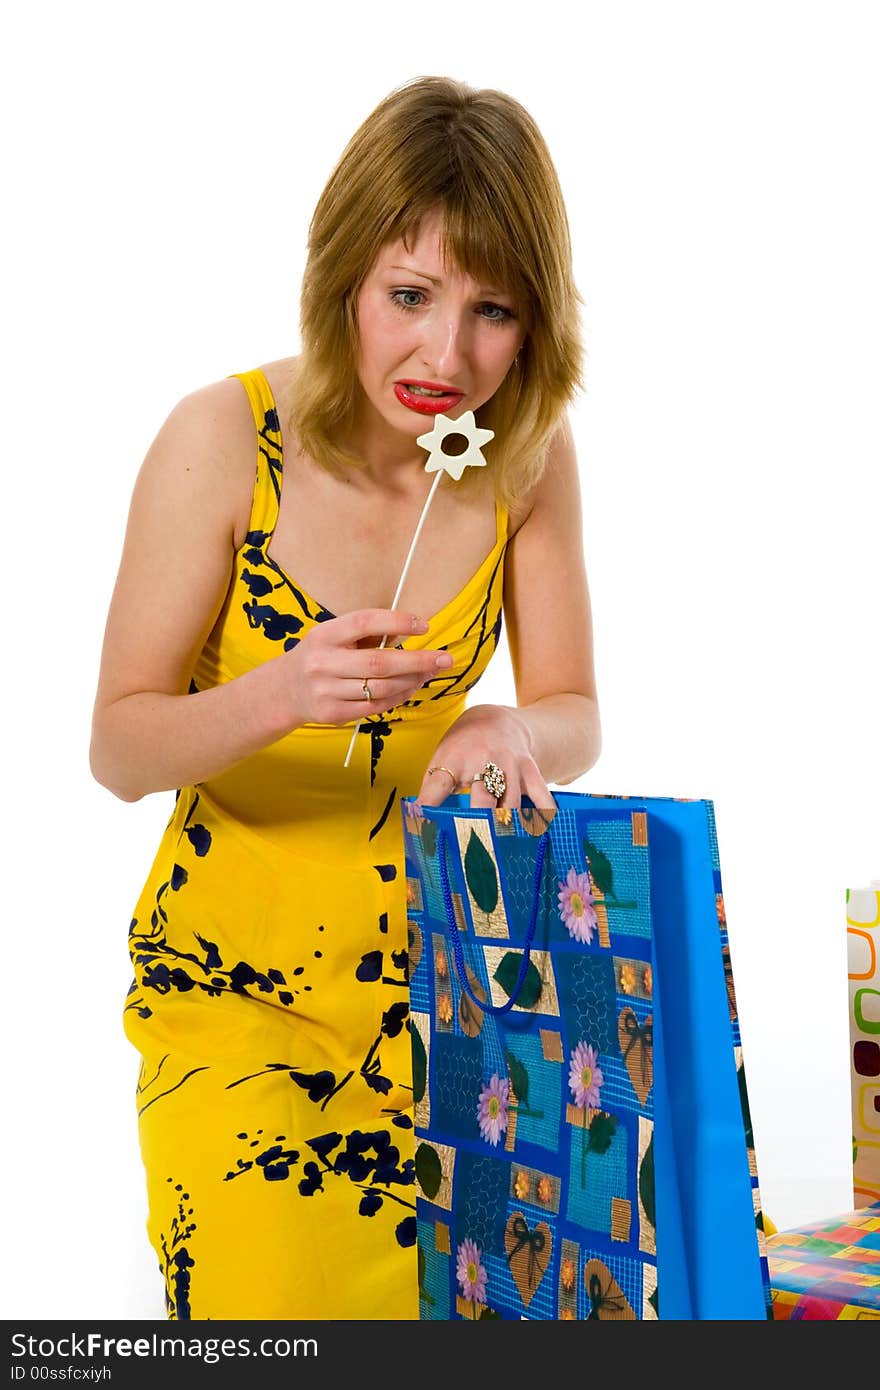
{"points": [[445, 659], [419, 625]]}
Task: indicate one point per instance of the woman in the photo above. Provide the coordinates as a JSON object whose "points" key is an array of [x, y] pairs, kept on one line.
{"points": [[269, 942]]}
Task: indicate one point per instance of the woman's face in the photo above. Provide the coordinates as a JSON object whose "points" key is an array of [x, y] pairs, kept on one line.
{"points": [[420, 321]]}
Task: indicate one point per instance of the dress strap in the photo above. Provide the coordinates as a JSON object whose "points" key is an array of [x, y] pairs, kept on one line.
{"points": [[270, 463], [502, 522]]}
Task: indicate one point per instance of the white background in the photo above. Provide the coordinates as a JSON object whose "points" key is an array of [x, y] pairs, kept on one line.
{"points": [[719, 163]]}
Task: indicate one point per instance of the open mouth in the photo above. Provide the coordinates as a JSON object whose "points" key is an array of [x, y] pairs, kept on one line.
{"points": [[424, 399]]}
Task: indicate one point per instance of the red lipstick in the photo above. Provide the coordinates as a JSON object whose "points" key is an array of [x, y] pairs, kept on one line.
{"points": [[427, 405]]}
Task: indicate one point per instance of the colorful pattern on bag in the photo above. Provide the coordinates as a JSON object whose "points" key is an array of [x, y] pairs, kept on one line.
{"points": [[534, 1127]]}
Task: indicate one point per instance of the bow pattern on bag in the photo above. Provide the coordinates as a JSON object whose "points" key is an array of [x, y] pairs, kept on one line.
{"points": [[528, 1253], [608, 1302], [637, 1046]]}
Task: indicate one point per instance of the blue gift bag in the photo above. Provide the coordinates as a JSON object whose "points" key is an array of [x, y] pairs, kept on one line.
{"points": [[583, 1147]]}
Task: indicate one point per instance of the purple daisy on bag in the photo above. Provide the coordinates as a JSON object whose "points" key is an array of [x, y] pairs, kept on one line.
{"points": [[470, 1271], [585, 1076], [576, 906], [492, 1108]]}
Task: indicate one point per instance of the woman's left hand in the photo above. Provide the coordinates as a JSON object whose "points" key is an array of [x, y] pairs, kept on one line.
{"points": [[485, 733]]}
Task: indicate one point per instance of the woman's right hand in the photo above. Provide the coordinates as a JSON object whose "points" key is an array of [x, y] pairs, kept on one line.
{"points": [[320, 680]]}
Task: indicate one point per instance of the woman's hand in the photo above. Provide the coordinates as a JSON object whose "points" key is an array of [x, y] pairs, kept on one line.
{"points": [[485, 733], [320, 680]]}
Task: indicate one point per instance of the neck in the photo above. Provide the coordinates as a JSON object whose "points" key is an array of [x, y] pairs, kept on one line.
{"points": [[391, 461]]}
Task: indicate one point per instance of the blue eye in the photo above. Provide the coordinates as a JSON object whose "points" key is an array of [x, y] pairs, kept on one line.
{"points": [[505, 313], [503, 316]]}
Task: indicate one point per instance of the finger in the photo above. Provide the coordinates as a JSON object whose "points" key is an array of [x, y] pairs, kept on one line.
{"points": [[480, 794], [512, 792], [379, 622], [437, 785], [538, 792], [383, 692], [419, 663]]}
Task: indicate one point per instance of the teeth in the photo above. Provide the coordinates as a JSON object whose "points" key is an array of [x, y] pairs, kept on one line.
{"points": [[423, 391]]}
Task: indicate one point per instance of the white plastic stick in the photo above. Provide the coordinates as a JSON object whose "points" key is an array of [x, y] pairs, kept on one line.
{"points": [[400, 584]]}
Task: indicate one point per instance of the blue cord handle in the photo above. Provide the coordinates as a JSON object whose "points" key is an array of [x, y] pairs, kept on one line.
{"points": [[456, 939]]}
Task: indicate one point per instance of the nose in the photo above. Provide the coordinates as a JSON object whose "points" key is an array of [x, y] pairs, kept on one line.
{"points": [[446, 346]]}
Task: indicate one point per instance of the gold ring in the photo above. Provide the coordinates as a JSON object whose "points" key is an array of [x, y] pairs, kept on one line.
{"points": [[493, 779], [432, 770]]}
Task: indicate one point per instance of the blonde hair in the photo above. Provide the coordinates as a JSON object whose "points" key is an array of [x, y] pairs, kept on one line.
{"points": [[479, 157]]}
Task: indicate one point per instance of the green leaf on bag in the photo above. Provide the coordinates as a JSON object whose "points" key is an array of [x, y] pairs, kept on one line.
{"points": [[654, 1302], [519, 1077], [429, 837], [420, 1063], [429, 1169], [488, 1313], [602, 1131], [646, 1182], [601, 871], [507, 974], [423, 1292], [480, 873]]}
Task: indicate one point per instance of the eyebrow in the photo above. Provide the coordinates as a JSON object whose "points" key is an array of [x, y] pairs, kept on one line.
{"points": [[410, 270]]}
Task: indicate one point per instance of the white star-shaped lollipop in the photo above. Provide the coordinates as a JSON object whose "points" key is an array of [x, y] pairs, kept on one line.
{"points": [[455, 464]]}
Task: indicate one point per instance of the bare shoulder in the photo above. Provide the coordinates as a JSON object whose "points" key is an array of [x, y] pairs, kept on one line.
{"points": [[219, 418], [177, 553], [279, 375]]}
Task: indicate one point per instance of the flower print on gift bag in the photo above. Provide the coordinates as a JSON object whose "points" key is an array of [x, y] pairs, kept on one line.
{"points": [[583, 1141]]}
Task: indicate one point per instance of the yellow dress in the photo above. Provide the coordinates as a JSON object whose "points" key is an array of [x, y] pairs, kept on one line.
{"points": [[269, 1002]]}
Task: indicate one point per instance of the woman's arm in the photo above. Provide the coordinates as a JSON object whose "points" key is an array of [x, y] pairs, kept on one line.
{"points": [[549, 623], [150, 741], [148, 733]]}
